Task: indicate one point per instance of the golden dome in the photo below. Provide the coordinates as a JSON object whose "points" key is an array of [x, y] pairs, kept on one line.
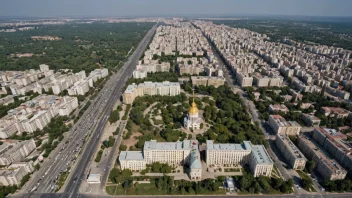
{"points": [[193, 109]]}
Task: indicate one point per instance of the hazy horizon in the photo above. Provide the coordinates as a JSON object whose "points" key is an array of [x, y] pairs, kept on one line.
{"points": [[130, 8]]}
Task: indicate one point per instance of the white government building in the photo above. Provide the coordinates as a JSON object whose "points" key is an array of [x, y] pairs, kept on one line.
{"points": [[187, 152], [239, 154], [172, 153]]}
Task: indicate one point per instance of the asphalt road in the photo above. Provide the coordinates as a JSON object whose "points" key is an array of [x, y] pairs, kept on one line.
{"points": [[94, 119], [112, 155], [120, 80]]}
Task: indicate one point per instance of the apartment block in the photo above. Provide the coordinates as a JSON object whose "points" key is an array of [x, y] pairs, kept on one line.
{"points": [[260, 81], [150, 88], [336, 144], [141, 71], [7, 100], [16, 152], [281, 126], [335, 112], [325, 165], [207, 81], [290, 152], [244, 79], [310, 120], [278, 108]]}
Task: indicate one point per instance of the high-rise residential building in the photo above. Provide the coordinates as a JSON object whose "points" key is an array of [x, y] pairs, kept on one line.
{"points": [[10, 153], [325, 165], [244, 79], [336, 144], [165, 88], [291, 153], [281, 126], [310, 120], [208, 81]]}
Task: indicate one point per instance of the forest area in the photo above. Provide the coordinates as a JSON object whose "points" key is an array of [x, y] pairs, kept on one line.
{"points": [[79, 47], [326, 32]]}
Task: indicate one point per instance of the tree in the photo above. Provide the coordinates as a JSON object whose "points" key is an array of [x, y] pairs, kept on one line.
{"points": [[221, 178], [25, 179], [119, 108], [126, 173], [127, 184], [306, 182], [183, 191], [201, 125], [123, 147], [111, 141], [264, 183], [114, 116], [37, 166], [113, 174], [156, 167], [310, 165]]}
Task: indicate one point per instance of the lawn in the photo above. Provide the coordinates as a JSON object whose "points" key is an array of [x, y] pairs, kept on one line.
{"points": [[61, 180], [140, 189], [98, 157], [150, 189]]}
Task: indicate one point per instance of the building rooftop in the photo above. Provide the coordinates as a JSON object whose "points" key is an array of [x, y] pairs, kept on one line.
{"points": [[282, 121], [131, 155], [325, 157], [278, 107], [233, 147], [311, 117], [154, 145], [290, 146], [131, 88], [230, 183], [335, 110], [261, 155], [15, 147]]}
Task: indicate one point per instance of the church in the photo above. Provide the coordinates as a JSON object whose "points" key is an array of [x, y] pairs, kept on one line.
{"points": [[192, 120]]}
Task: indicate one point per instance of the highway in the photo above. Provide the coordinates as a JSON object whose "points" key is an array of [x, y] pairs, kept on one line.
{"points": [[93, 120], [119, 81]]}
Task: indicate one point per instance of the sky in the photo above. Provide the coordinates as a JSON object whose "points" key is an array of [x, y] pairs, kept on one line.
{"points": [[55, 8]]}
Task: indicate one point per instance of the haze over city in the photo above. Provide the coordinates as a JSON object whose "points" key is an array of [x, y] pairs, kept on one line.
{"points": [[169, 98], [55, 8]]}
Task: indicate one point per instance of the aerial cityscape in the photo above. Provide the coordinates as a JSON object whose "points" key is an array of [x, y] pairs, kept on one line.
{"points": [[155, 98]]}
